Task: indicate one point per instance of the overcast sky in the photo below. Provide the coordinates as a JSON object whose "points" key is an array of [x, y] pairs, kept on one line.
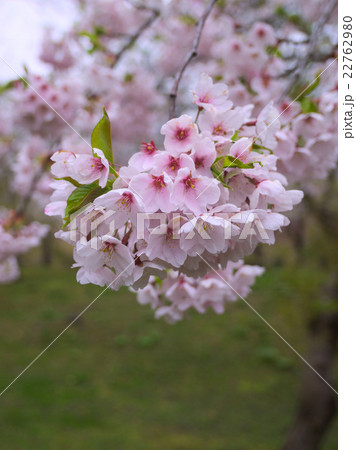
{"points": [[22, 24]]}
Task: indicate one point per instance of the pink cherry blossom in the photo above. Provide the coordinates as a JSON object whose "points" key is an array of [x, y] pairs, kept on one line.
{"points": [[267, 125], [262, 35], [204, 155], [162, 243], [212, 97], [193, 192], [63, 161], [180, 135], [106, 252], [58, 200], [241, 150], [205, 232], [222, 126], [273, 193], [124, 202], [143, 160], [9, 270], [165, 162], [155, 191], [86, 169]]}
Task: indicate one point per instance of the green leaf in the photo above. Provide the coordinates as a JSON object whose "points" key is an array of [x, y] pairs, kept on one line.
{"points": [[273, 50], [128, 78], [301, 90], [94, 40], [232, 162], [307, 105], [294, 18], [280, 11], [12, 83], [82, 196], [187, 19], [218, 174], [99, 30], [244, 81], [235, 135], [313, 85], [301, 141], [158, 281], [5, 87], [75, 183], [299, 21], [229, 162], [101, 137], [259, 149]]}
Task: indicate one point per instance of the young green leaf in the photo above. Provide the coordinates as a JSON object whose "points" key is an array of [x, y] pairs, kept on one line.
{"points": [[217, 171], [235, 135], [81, 196], [307, 105], [259, 149], [101, 137], [74, 182], [313, 85], [231, 162], [273, 50]]}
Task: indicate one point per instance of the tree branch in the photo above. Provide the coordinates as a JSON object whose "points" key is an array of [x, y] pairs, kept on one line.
{"points": [[191, 55], [20, 210], [133, 38]]}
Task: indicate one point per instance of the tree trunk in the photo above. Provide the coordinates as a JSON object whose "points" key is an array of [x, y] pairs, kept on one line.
{"points": [[47, 250], [318, 402]]}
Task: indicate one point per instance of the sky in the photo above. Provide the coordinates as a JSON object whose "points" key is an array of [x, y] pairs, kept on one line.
{"points": [[22, 25]]}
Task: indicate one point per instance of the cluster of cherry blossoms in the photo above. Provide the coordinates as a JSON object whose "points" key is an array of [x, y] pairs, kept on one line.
{"points": [[177, 293], [203, 202], [15, 239], [259, 64], [124, 55]]}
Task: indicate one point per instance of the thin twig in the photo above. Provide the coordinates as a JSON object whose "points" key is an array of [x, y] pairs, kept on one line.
{"points": [[133, 38], [20, 210], [191, 55]]}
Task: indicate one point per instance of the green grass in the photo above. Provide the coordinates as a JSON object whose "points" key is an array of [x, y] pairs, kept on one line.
{"points": [[118, 379]]}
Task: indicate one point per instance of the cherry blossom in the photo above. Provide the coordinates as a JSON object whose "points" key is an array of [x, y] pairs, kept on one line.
{"points": [[179, 212], [222, 177], [180, 135], [194, 192], [85, 168], [155, 191], [212, 97], [143, 160]]}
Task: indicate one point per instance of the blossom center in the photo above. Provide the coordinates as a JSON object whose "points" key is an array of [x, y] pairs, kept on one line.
{"points": [[148, 148], [189, 182], [173, 163], [205, 98], [126, 200], [219, 130], [182, 133], [158, 182], [108, 251], [199, 162], [97, 164]]}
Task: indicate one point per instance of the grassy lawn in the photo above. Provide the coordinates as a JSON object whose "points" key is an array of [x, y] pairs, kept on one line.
{"points": [[118, 379]]}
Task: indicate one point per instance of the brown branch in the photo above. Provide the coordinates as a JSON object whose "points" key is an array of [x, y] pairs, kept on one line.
{"points": [[20, 210], [191, 55], [133, 38]]}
